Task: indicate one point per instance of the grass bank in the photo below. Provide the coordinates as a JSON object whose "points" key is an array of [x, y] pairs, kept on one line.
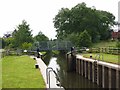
{"points": [[106, 57], [105, 44], [19, 72], [0, 73]]}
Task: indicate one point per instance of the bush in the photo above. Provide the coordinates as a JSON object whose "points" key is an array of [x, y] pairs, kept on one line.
{"points": [[85, 39], [26, 45], [118, 44]]}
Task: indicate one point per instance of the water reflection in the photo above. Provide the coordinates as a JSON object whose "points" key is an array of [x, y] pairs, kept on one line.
{"points": [[53, 64], [68, 79], [47, 57]]}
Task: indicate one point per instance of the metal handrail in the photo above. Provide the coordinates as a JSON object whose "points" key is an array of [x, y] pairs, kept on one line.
{"points": [[47, 73], [99, 55], [48, 76]]}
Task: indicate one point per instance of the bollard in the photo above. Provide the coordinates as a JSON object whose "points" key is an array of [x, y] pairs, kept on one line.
{"points": [[36, 66]]}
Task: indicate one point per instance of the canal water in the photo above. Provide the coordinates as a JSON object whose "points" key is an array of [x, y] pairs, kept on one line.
{"points": [[68, 79]]}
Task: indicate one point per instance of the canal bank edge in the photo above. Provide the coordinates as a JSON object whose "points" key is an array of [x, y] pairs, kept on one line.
{"points": [[106, 75], [43, 67]]}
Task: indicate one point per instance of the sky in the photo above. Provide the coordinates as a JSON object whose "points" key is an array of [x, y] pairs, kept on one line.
{"points": [[39, 14]]}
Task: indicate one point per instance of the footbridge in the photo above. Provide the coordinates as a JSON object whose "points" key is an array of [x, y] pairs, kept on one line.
{"points": [[53, 45]]}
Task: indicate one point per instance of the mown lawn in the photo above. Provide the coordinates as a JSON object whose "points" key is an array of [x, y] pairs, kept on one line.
{"points": [[105, 44], [0, 74], [19, 72], [106, 57]]}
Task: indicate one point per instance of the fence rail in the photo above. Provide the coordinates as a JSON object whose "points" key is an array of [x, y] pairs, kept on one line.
{"points": [[52, 45], [107, 50]]}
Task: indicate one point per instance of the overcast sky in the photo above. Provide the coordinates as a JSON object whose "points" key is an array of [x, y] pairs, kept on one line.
{"points": [[40, 13]]}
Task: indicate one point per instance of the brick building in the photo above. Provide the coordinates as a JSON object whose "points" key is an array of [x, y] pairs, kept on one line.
{"points": [[115, 35]]}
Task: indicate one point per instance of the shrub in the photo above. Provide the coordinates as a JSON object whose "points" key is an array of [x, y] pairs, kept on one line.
{"points": [[26, 45], [85, 39]]}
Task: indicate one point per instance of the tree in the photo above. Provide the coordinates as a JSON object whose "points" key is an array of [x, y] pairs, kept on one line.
{"points": [[73, 38], [85, 39], [79, 18], [61, 22], [9, 42], [40, 37], [106, 21], [22, 34]]}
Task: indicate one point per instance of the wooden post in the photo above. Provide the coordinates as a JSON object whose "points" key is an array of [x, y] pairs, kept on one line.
{"points": [[103, 76], [80, 72], [93, 72], [82, 67], [98, 75], [113, 78], [89, 70], [77, 69], [117, 79], [85, 69], [109, 78], [79, 66]]}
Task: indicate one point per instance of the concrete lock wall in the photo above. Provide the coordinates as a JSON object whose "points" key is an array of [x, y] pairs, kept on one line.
{"points": [[105, 75]]}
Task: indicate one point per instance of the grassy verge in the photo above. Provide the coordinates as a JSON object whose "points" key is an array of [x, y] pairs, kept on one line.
{"points": [[105, 44], [43, 52], [106, 57], [19, 72], [55, 52], [0, 73]]}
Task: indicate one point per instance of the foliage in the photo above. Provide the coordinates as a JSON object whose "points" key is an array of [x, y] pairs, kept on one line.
{"points": [[104, 44], [22, 38], [9, 42], [85, 39], [22, 34], [40, 37], [73, 38], [118, 44], [79, 18], [26, 46]]}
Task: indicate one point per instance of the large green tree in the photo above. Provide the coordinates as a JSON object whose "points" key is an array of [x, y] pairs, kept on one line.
{"points": [[40, 37], [22, 34], [79, 18]]}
